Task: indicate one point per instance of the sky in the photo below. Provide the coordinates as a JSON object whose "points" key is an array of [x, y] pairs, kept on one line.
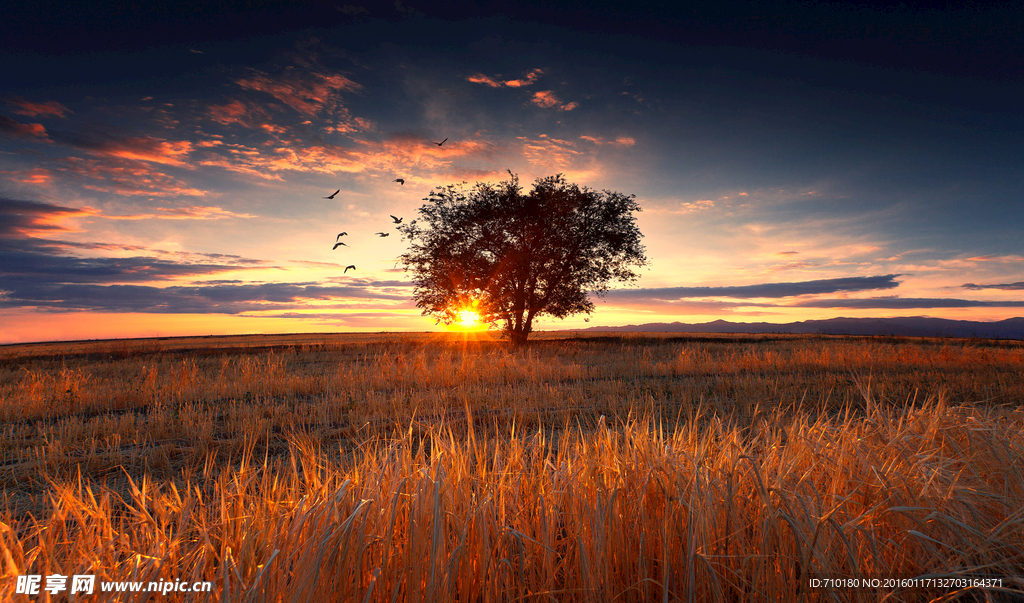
{"points": [[164, 168]]}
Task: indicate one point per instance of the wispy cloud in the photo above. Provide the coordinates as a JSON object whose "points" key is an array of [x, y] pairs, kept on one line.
{"points": [[126, 177], [205, 299], [23, 222], [14, 129], [550, 153], [996, 258], [544, 98], [1018, 286], [626, 141], [249, 115], [480, 78], [496, 82], [547, 99], [36, 176], [195, 212], [527, 80], [764, 290], [21, 219], [151, 149], [306, 92], [403, 153], [40, 272], [698, 205], [26, 272], [34, 109], [905, 303]]}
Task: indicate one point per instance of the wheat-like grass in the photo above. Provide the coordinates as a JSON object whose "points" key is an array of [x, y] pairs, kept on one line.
{"points": [[494, 476], [632, 514]]}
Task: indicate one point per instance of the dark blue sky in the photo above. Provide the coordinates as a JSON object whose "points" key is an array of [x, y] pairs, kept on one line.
{"points": [[163, 164]]}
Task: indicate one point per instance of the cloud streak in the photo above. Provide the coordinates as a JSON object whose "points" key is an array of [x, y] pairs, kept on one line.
{"points": [[548, 100], [765, 290], [15, 129], [527, 80], [126, 177], [38, 273], [25, 258], [306, 93], [1018, 286], [206, 299], [143, 148], [905, 303], [34, 109]]}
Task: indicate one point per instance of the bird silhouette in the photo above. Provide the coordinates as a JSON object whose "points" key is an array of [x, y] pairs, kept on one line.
{"points": [[382, 234], [337, 244], [440, 143], [340, 234], [397, 220], [349, 266], [333, 194], [400, 181]]}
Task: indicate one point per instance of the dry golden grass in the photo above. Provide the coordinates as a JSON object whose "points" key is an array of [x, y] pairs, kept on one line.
{"points": [[433, 468]]}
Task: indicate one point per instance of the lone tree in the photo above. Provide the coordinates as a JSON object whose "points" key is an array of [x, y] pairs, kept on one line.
{"points": [[511, 257]]}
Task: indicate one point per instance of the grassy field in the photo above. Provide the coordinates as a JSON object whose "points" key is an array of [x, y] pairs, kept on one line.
{"points": [[426, 467]]}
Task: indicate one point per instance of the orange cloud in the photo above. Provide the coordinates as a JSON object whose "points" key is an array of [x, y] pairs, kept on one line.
{"points": [[33, 109], [195, 212], [27, 218], [39, 176], [526, 80], [146, 148], [305, 93], [551, 154], [996, 258], [696, 205], [19, 130], [480, 78], [141, 148], [621, 140], [547, 99], [397, 153], [126, 177], [237, 112]]}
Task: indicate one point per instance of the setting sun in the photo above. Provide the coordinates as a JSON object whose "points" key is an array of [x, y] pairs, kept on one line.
{"points": [[469, 318]]}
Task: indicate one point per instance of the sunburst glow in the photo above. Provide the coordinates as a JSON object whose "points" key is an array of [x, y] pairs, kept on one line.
{"points": [[469, 318]]}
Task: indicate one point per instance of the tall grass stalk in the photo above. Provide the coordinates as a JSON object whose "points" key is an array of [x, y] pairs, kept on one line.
{"points": [[416, 469], [638, 512]]}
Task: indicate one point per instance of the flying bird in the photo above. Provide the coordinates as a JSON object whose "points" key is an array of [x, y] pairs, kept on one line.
{"points": [[333, 194], [382, 234], [440, 143], [337, 244], [340, 234], [397, 220], [400, 181], [348, 267]]}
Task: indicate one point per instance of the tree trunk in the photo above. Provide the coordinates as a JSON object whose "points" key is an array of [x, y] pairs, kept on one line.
{"points": [[518, 338]]}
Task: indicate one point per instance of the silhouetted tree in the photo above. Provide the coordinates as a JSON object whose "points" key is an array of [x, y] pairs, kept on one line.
{"points": [[512, 257]]}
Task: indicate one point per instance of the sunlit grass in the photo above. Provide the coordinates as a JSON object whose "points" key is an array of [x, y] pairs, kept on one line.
{"points": [[625, 469]]}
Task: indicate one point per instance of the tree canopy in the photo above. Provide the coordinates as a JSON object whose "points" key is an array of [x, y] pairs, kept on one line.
{"points": [[511, 257]]}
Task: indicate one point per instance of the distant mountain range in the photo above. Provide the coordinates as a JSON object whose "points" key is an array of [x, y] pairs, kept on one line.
{"points": [[911, 326]]}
